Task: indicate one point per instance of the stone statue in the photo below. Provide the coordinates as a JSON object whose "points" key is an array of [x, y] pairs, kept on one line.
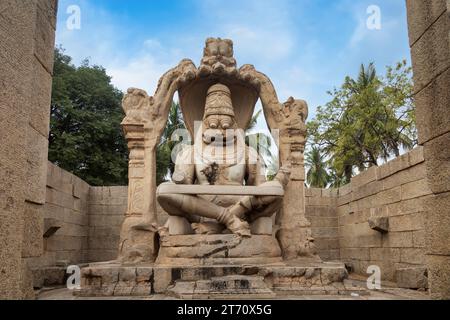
{"points": [[220, 157], [219, 184], [228, 231]]}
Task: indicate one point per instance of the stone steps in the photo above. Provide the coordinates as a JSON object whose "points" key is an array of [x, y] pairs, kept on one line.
{"points": [[227, 287], [216, 281]]}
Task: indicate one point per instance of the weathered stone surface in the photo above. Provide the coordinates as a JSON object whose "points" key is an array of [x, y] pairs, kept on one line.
{"points": [[234, 287], [412, 255], [221, 281], [416, 155], [421, 15], [389, 196], [430, 54], [33, 230], [213, 249], [437, 222], [411, 174], [364, 178], [261, 226], [45, 33], [432, 108], [51, 225], [355, 253], [27, 282], [438, 162], [360, 236], [37, 146], [384, 254], [408, 222], [49, 276], [40, 108], [398, 240], [412, 278], [415, 189], [393, 166], [380, 224], [439, 276], [17, 61], [179, 226], [216, 88]]}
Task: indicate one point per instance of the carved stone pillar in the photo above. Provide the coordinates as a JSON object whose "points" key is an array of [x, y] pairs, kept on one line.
{"points": [[146, 118], [294, 232], [138, 234]]}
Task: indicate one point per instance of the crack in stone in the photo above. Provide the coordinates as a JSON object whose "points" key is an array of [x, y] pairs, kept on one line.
{"points": [[116, 284], [226, 248], [152, 282]]}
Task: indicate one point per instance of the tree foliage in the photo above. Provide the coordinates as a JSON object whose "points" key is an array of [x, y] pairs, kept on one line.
{"points": [[164, 163], [85, 133], [317, 176], [369, 119]]}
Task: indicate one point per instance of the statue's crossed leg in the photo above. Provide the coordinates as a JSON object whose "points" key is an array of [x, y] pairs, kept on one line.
{"points": [[248, 208]]}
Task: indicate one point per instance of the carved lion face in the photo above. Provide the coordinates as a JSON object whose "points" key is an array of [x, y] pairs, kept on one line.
{"points": [[296, 110], [219, 47], [219, 128]]}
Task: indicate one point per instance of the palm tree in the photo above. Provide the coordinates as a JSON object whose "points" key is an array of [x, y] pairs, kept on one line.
{"points": [[367, 75], [317, 175], [262, 140], [337, 179], [164, 164], [273, 167]]}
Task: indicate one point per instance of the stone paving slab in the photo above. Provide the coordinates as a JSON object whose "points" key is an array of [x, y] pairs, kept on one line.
{"points": [[389, 294]]}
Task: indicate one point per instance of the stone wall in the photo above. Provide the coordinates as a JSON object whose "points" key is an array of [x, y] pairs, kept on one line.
{"points": [[107, 207], [26, 61], [81, 224], [90, 218], [66, 207], [397, 190], [321, 212], [87, 219], [429, 38]]}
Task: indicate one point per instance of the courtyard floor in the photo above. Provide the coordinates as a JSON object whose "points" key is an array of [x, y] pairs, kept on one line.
{"points": [[388, 292]]}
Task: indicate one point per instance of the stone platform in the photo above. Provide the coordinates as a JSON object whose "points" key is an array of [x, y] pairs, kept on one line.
{"points": [[221, 249], [252, 281]]}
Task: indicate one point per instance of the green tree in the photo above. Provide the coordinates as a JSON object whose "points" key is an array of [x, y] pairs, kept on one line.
{"points": [[85, 133], [317, 175], [368, 119], [337, 179], [164, 163]]}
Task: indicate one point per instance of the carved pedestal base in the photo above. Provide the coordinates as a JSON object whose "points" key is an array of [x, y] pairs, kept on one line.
{"points": [[252, 281], [137, 245], [179, 226], [218, 249]]}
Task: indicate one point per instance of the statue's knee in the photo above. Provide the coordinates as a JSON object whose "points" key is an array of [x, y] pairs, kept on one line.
{"points": [[162, 198], [169, 201], [278, 201]]}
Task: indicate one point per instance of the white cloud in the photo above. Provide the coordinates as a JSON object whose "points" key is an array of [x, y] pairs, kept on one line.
{"points": [[273, 35], [141, 72]]}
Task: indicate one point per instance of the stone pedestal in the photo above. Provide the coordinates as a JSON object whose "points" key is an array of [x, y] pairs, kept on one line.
{"points": [[262, 226], [218, 250], [244, 281], [179, 226]]}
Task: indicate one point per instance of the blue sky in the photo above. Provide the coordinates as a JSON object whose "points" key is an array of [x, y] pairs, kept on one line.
{"points": [[306, 47]]}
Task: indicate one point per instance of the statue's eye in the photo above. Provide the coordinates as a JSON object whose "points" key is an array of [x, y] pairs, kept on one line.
{"points": [[226, 122], [213, 124]]}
